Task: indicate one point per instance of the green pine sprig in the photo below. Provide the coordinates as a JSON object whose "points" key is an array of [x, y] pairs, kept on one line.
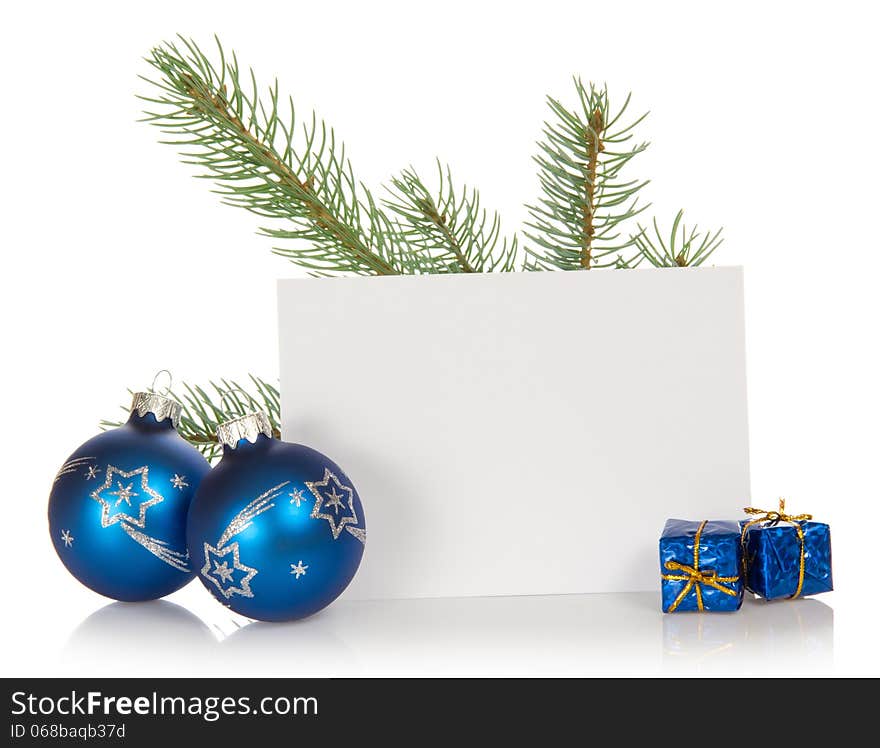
{"points": [[577, 222], [451, 225], [683, 248], [330, 223], [263, 160]]}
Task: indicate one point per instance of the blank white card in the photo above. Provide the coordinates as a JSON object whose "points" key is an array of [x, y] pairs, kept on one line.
{"points": [[521, 433]]}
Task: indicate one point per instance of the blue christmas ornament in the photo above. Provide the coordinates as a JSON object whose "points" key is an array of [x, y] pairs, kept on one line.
{"points": [[118, 506], [277, 530]]}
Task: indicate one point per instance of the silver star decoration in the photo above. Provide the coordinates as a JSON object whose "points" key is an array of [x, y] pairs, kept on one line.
{"points": [[91, 472], [298, 569], [124, 494], [67, 538], [226, 575], [337, 523], [297, 497], [223, 571], [334, 499], [179, 481], [150, 497]]}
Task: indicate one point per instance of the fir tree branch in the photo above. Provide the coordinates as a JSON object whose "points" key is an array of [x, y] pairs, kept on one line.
{"points": [[684, 248], [203, 411], [576, 224], [451, 227], [241, 141], [331, 223]]}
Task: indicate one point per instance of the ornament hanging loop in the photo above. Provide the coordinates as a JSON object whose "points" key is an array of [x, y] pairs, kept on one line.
{"points": [[237, 408], [167, 388]]}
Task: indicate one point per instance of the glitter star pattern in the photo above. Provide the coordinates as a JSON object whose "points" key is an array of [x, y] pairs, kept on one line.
{"points": [[67, 538], [133, 514], [334, 500], [297, 497], [223, 571], [72, 466], [223, 576], [325, 491], [179, 481], [298, 569], [357, 532], [91, 472], [125, 492]]}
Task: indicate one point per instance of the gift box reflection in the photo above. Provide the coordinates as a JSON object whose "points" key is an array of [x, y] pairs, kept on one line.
{"points": [[764, 636]]}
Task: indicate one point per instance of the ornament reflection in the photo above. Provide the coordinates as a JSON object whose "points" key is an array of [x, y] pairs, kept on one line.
{"points": [[156, 637]]}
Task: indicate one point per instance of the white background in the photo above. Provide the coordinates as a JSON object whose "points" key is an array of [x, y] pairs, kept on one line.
{"points": [[116, 263]]}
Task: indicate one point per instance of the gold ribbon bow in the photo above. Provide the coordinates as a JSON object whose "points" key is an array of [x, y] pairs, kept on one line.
{"points": [[696, 577], [774, 518]]}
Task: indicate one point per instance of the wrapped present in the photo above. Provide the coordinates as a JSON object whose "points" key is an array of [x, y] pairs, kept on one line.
{"points": [[701, 566], [785, 555]]}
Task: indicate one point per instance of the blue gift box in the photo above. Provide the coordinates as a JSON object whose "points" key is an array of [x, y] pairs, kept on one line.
{"points": [[701, 566], [785, 555]]}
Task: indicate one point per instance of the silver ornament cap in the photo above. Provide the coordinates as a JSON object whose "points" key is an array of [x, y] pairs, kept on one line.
{"points": [[248, 426], [160, 406]]}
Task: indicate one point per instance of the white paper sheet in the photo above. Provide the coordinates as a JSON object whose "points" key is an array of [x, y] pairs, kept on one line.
{"points": [[521, 433]]}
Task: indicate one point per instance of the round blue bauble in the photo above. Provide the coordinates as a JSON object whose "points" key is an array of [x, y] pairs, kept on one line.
{"points": [[118, 506], [276, 531]]}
